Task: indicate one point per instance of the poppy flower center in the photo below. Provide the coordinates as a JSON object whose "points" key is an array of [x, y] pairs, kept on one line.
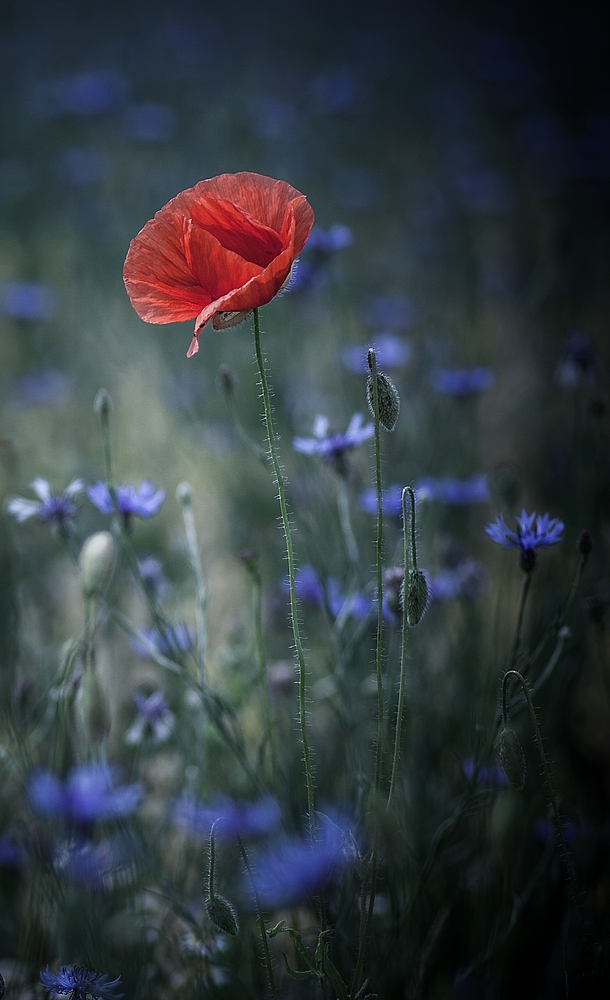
{"points": [[236, 230]]}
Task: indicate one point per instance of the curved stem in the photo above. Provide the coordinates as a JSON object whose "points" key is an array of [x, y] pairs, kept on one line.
{"points": [[294, 611]]}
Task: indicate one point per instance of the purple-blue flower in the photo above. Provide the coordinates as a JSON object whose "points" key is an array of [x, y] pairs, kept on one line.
{"points": [[57, 509], [28, 301], [45, 387], [80, 983], [534, 531], [391, 500], [468, 579], [308, 585], [578, 365], [358, 604], [88, 794], [142, 501], [153, 718], [491, 775], [311, 270], [293, 868], [95, 866], [388, 312], [391, 352], [233, 819], [461, 381], [174, 639], [453, 491], [334, 447]]}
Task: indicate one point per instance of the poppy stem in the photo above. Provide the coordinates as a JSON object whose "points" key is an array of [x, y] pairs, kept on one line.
{"points": [[294, 610], [408, 491]]}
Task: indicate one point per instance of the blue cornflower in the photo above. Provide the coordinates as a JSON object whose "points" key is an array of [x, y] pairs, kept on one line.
{"points": [[95, 866], [153, 576], [453, 491], [57, 509], [391, 500], [578, 365], [43, 387], [334, 447], [461, 381], [358, 604], [468, 580], [311, 271], [293, 868], [80, 983], [27, 300], [153, 717], [308, 585], [234, 819], [173, 640], [143, 500], [87, 795], [388, 312], [534, 531], [491, 775], [391, 352]]}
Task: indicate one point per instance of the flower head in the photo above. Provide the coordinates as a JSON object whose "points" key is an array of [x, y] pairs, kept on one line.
{"points": [[333, 447], [143, 500], [80, 983], [534, 531], [216, 251], [578, 365], [461, 381], [454, 491], [87, 795], [232, 818], [57, 509], [391, 352], [153, 717], [312, 268]]}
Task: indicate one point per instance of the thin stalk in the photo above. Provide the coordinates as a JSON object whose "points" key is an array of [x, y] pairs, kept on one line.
{"points": [[262, 674], [185, 497], [525, 589], [346, 523], [261, 919], [545, 767], [294, 610], [403, 644]]}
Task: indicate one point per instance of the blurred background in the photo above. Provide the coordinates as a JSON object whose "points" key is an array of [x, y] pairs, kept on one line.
{"points": [[457, 158]]}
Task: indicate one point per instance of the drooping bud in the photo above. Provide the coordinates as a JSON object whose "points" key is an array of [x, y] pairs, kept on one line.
{"points": [[392, 581], [417, 597], [96, 561], [512, 757], [222, 914], [92, 709], [102, 404], [388, 400], [585, 543]]}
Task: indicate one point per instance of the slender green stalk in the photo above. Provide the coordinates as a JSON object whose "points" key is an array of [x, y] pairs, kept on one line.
{"points": [[261, 919], [186, 499], [545, 767], [525, 589], [403, 644], [262, 673], [346, 523], [294, 610]]}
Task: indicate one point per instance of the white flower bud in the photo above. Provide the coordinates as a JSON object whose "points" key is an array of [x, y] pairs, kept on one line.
{"points": [[96, 561]]}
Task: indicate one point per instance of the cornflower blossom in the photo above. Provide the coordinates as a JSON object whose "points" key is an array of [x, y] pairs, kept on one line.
{"points": [[487, 775], [358, 606], [104, 865], [308, 585], [153, 576], [578, 365], [294, 868], [311, 269], [391, 352], [391, 500], [534, 531], [88, 794], [461, 381], [142, 501], [233, 819], [27, 301], [175, 639], [57, 509], [80, 983], [466, 580], [153, 718], [333, 448], [454, 491]]}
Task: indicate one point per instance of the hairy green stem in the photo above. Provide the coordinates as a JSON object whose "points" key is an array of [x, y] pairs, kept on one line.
{"points": [[261, 919], [346, 523], [403, 643], [262, 674], [294, 610]]}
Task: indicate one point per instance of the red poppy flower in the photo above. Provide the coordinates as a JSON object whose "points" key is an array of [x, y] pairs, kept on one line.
{"points": [[217, 251]]}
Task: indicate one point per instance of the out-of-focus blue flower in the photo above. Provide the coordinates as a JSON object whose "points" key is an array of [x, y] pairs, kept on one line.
{"points": [[153, 718], [578, 365], [388, 312], [468, 579], [82, 166], [328, 241], [153, 576], [102, 866], [484, 192], [308, 585], [356, 189], [150, 122], [461, 381], [453, 491], [390, 351], [233, 819], [88, 795], [534, 531], [358, 604], [491, 775], [174, 639], [84, 94], [546, 829], [334, 447], [335, 90], [391, 500], [27, 300], [39, 388], [293, 868], [10, 856], [142, 501], [80, 983], [311, 270], [57, 509]]}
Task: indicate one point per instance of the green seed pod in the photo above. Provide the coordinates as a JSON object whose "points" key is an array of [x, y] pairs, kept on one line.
{"points": [[388, 400], [512, 758], [92, 709], [417, 597], [95, 561], [222, 914]]}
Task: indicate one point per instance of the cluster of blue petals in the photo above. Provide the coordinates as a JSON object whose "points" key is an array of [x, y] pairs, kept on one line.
{"points": [[88, 794], [534, 531], [80, 983], [142, 501], [333, 447], [233, 819]]}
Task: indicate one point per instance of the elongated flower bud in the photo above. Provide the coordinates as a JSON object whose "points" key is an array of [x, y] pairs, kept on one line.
{"points": [[512, 758], [388, 400], [92, 709], [417, 597], [222, 914], [95, 561]]}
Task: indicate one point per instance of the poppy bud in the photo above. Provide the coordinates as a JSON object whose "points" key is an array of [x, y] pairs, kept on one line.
{"points": [[512, 758], [184, 493], [95, 561], [388, 400], [417, 597], [222, 914], [102, 404], [585, 543], [92, 708]]}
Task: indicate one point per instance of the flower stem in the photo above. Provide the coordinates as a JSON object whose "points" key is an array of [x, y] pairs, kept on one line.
{"points": [[346, 523], [185, 497], [294, 611], [262, 678], [525, 589], [403, 644], [261, 919]]}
